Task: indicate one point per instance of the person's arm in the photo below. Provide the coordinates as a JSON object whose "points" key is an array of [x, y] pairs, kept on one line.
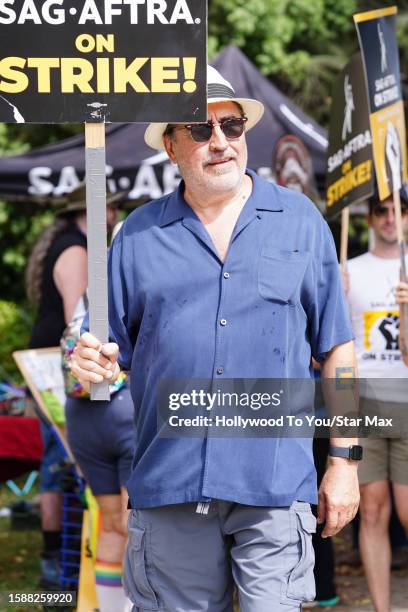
{"points": [[339, 494], [70, 276], [345, 277], [401, 295]]}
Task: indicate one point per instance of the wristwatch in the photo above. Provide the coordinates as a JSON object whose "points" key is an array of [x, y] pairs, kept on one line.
{"points": [[355, 452]]}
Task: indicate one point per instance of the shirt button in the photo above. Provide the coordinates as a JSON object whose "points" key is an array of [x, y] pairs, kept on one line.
{"points": [[220, 370], [223, 322], [226, 275]]}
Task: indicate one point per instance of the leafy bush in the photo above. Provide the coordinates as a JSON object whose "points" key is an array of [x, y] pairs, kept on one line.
{"points": [[15, 328], [20, 225]]}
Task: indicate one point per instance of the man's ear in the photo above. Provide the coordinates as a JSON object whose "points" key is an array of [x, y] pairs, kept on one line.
{"points": [[169, 147], [368, 219]]}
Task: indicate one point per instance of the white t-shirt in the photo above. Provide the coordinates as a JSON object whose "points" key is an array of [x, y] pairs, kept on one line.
{"points": [[375, 319]]}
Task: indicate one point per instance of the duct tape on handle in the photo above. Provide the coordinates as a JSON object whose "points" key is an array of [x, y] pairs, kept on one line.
{"points": [[97, 254]]}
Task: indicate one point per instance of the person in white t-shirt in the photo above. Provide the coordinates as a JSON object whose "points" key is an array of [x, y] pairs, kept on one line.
{"points": [[374, 294]]}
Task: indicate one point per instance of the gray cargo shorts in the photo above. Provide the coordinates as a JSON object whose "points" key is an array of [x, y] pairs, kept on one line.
{"points": [[180, 561]]}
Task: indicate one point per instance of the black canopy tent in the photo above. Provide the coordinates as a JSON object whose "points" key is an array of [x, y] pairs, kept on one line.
{"points": [[50, 171]]}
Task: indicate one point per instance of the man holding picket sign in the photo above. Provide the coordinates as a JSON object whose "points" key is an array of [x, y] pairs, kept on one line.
{"points": [[228, 277]]}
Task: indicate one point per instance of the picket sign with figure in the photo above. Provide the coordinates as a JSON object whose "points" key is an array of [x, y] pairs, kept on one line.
{"points": [[350, 176], [377, 36], [102, 61]]}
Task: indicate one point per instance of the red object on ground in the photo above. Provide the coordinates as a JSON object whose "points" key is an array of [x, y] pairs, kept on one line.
{"points": [[21, 446]]}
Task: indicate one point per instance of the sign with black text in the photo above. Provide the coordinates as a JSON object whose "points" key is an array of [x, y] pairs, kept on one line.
{"points": [[350, 173], [103, 60], [377, 36]]}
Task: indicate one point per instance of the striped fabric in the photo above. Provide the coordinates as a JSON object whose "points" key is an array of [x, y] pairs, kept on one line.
{"points": [[108, 574], [218, 90]]}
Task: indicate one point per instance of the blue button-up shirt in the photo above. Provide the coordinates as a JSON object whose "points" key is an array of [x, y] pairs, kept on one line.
{"points": [[178, 312]]}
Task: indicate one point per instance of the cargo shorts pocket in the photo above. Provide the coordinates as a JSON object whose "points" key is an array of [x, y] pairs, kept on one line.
{"points": [[301, 582], [136, 582]]}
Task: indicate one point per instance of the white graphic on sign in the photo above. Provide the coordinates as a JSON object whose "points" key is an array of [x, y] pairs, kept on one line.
{"points": [[348, 109], [393, 155], [18, 117], [383, 49]]}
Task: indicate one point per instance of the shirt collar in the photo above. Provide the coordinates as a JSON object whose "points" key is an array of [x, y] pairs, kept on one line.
{"points": [[265, 195], [262, 198], [176, 207]]}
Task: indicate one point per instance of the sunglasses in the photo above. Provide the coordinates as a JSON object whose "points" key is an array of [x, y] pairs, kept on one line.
{"points": [[232, 128], [382, 211]]}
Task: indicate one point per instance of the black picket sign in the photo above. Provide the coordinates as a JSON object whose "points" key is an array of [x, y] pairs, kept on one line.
{"points": [[102, 60]]}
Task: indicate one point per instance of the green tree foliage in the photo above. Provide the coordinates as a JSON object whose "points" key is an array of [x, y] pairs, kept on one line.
{"points": [[20, 225], [15, 326], [300, 44]]}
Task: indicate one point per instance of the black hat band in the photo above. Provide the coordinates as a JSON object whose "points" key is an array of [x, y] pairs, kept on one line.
{"points": [[219, 91]]}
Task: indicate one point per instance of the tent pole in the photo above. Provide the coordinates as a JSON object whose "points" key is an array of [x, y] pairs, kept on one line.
{"points": [[95, 167]]}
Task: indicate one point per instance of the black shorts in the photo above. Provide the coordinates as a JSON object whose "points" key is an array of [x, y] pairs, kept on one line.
{"points": [[100, 435]]}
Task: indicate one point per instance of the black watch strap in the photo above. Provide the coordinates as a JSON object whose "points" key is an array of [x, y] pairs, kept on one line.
{"points": [[355, 452]]}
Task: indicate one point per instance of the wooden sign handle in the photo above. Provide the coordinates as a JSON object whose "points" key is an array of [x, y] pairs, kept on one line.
{"points": [[403, 325], [345, 221], [400, 233], [95, 162]]}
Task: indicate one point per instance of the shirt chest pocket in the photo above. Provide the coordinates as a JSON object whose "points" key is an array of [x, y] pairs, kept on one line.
{"points": [[280, 275]]}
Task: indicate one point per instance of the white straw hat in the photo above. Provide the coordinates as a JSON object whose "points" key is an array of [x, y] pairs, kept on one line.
{"points": [[218, 90]]}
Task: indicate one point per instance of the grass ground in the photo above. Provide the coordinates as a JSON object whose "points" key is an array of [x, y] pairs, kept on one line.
{"points": [[19, 552]]}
